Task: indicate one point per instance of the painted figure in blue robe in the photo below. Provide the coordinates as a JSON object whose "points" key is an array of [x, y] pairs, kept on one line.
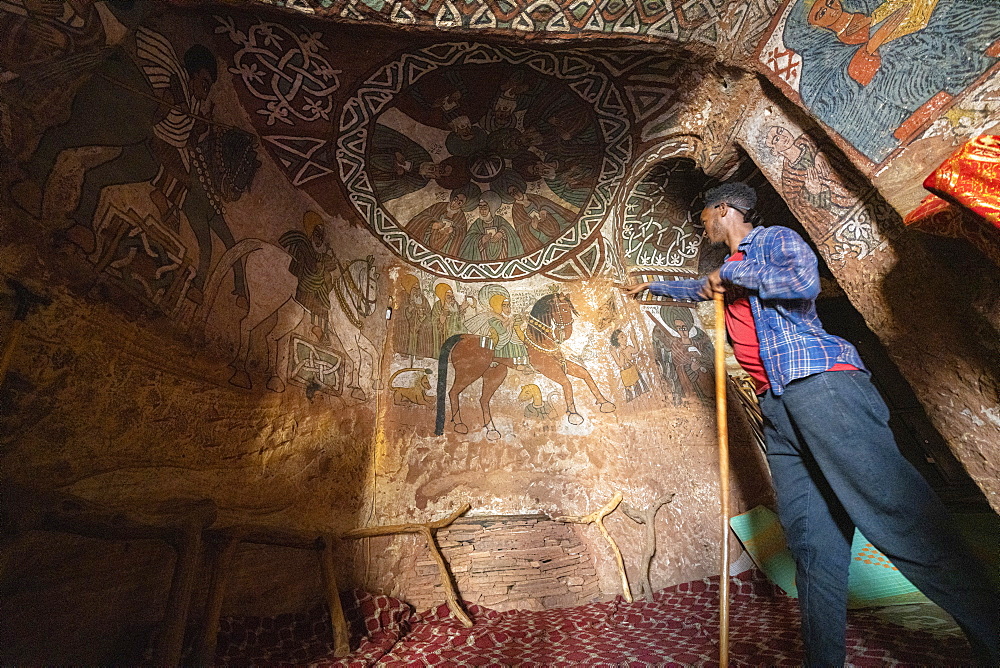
{"points": [[868, 65]]}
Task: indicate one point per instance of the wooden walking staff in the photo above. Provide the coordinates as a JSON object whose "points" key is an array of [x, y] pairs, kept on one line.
{"points": [[723, 431]]}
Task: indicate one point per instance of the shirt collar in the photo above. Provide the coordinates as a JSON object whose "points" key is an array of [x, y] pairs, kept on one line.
{"points": [[748, 239]]}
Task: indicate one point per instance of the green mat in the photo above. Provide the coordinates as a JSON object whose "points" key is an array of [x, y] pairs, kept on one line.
{"points": [[872, 579]]}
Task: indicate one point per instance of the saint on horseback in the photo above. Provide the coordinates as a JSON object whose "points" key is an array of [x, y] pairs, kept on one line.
{"points": [[154, 108], [336, 296], [500, 342]]}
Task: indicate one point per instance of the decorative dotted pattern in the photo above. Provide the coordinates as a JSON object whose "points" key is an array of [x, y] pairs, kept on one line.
{"points": [[679, 628], [869, 555]]}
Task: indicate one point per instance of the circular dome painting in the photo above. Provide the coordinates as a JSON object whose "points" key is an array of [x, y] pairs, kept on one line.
{"points": [[484, 163]]}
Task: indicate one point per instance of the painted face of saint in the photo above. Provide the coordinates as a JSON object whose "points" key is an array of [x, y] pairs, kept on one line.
{"points": [[504, 109], [456, 202], [201, 84], [824, 13], [318, 236], [428, 170], [681, 328], [779, 139], [484, 210], [448, 102], [462, 126]]}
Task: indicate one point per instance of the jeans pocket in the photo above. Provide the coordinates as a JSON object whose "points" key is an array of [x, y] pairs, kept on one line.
{"points": [[862, 381]]}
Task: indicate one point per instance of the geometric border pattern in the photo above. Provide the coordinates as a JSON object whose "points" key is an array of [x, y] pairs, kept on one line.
{"points": [[590, 83]]}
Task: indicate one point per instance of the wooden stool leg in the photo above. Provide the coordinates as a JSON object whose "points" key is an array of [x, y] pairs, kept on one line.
{"points": [[221, 569], [171, 643], [341, 637]]}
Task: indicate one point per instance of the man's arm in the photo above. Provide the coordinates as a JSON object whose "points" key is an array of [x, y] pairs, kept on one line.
{"points": [[686, 289], [788, 271]]}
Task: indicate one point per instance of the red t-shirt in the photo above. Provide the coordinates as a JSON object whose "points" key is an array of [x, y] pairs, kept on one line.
{"points": [[743, 334]]}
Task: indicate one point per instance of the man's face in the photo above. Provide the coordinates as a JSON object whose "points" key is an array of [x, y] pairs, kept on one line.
{"points": [[484, 210], [681, 327], [779, 139], [505, 307], [711, 219], [825, 13], [456, 203]]}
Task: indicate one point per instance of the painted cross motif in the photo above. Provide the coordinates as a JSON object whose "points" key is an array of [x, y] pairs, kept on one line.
{"points": [[785, 63]]}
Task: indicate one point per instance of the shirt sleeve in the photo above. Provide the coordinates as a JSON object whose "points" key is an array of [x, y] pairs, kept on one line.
{"points": [[789, 269], [686, 289]]}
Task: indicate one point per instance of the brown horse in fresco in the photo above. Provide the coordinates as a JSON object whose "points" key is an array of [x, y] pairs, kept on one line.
{"points": [[549, 326]]}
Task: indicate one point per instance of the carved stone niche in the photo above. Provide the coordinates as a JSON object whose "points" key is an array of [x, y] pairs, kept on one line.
{"points": [[508, 561]]}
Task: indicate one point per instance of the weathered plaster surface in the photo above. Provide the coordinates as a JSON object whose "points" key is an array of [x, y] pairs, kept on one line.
{"points": [[310, 399]]}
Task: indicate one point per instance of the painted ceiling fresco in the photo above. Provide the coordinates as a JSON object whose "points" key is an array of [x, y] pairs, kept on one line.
{"points": [[520, 152], [862, 66], [687, 20]]}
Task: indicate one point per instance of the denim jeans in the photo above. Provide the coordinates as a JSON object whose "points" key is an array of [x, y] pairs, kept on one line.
{"points": [[836, 466]]}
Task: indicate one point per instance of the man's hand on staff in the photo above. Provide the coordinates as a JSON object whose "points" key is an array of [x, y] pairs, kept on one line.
{"points": [[713, 285], [633, 290]]}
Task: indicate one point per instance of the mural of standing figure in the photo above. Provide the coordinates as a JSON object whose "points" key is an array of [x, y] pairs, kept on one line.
{"points": [[626, 357], [447, 318], [549, 325], [683, 353], [809, 185], [864, 64], [414, 309], [157, 113]]}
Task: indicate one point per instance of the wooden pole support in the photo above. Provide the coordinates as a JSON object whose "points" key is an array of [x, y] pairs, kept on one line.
{"points": [[427, 531], [597, 517], [648, 519], [218, 582], [171, 643], [723, 432], [341, 636]]}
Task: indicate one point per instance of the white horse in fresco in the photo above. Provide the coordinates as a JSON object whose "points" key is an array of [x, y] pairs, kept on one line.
{"points": [[274, 314]]}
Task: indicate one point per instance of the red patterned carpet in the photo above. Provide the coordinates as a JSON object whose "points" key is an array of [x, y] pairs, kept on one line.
{"points": [[679, 628]]}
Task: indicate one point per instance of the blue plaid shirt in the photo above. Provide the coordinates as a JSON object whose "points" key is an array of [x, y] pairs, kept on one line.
{"points": [[779, 271]]}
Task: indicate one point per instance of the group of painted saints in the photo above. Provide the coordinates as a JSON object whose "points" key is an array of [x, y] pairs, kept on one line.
{"points": [[421, 329], [475, 230], [534, 151]]}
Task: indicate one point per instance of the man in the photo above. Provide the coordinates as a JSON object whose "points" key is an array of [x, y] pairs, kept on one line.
{"points": [[832, 456]]}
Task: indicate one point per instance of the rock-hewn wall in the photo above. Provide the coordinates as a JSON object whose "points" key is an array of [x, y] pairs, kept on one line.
{"points": [[329, 276], [286, 259]]}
